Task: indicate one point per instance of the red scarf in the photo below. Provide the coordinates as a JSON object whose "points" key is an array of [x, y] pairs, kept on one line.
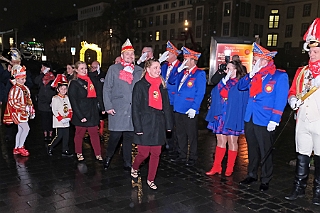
{"points": [[314, 67], [224, 89], [124, 75], [155, 99], [47, 78], [256, 82], [90, 88]]}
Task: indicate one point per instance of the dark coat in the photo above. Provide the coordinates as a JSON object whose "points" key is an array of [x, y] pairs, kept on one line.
{"points": [[151, 122], [46, 92], [82, 106]]}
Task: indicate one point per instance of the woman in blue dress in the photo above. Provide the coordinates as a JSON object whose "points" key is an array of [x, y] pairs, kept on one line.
{"points": [[225, 116]]}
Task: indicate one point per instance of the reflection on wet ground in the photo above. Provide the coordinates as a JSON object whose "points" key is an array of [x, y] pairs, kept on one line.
{"points": [[41, 183]]}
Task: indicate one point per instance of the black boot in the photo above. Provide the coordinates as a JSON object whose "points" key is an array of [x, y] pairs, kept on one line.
{"points": [[301, 177], [106, 163], [316, 181]]}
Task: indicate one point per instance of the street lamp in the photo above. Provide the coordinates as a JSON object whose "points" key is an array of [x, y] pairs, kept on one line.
{"points": [[186, 25]]}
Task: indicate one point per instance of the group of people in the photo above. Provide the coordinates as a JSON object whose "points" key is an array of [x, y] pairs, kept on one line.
{"points": [[157, 101], [253, 104]]}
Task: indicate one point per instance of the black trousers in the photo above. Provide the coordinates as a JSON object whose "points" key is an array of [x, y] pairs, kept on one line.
{"points": [[61, 133], [46, 120], [172, 141], [187, 133], [126, 145], [259, 141]]}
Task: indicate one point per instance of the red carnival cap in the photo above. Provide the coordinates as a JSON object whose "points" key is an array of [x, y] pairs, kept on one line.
{"points": [[127, 46], [60, 79], [312, 36], [187, 53], [261, 52], [171, 48]]}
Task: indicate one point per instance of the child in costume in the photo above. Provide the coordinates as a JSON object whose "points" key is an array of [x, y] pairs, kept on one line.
{"points": [[19, 108], [62, 114]]}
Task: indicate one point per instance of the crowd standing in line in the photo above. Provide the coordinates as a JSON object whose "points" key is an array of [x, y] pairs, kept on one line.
{"points": [[143, 107]]}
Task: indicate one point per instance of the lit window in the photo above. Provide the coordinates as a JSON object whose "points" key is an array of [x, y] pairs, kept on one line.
{"points": [[227, 9], [272, 40], [274, 18], [157, 35]]}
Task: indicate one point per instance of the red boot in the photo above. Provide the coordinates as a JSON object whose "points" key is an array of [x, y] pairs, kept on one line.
{"points": [[216, 168], [101, 127], [232, 155]]}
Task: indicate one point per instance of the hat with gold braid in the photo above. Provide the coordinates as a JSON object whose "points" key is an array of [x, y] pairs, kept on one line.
{"points": [[312, 36]]}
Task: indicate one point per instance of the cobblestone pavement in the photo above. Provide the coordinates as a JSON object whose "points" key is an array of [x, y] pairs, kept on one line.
{"points": [[40, 183]]}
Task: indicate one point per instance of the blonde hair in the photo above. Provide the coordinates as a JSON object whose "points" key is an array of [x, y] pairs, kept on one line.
{"points": [[76, 66], [148, 64]]}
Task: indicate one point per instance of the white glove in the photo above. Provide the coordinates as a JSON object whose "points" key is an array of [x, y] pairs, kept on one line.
{"points": [[164, 57], [256, 68], [45, 70], [27, 109], [317, 81], [191, 113], [65, 120], [183, 66], [294, 102], [226, 78], [128, 69], [272, 126], [142, 58]]}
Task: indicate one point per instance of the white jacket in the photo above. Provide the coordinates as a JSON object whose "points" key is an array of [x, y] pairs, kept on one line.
{"points": [[61, 108]]}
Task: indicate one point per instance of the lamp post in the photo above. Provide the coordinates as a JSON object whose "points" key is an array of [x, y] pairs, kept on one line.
{"points": [[110, 35], [186, 25]]}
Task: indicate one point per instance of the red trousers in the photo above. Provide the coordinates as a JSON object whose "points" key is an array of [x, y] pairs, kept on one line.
{"points": [[143, 153], [94, 138]]}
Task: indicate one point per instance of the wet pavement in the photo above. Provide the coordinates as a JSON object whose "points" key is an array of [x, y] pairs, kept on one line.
{"points": [[40, 183]]}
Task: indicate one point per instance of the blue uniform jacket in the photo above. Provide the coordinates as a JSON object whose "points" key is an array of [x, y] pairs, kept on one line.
{"points": [[236, 107], [270, 103], [191, 92], [170, 87]]}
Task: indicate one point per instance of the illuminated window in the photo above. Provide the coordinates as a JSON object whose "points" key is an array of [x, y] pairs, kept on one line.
{"points": [[272, 40], [274, 18], [157, 35], [227, 9]]}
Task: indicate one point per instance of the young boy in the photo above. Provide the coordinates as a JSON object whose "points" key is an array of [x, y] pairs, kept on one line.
{"points": [[62, 114], [19, 108]]}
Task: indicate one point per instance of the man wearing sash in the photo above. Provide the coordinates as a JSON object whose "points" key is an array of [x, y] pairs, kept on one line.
{"points": [[304, 97]]}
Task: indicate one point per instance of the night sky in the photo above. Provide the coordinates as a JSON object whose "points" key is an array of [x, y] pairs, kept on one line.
{"points": [[15, 13]]}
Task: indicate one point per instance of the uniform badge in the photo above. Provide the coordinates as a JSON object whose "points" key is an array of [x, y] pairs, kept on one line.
{"points": [[269, 88], [190, 83], [155, 94]]}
